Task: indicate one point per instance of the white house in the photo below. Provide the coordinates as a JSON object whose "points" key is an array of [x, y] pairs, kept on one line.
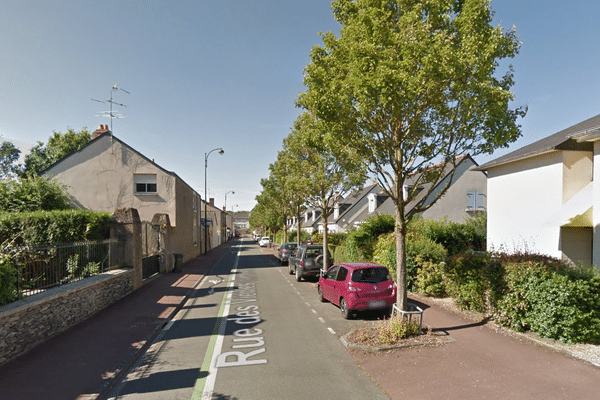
{"points": [[541, 198]]}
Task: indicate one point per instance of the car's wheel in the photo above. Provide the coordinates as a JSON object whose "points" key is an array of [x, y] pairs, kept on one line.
{"points": [[344, 308], [321, 298], [298, 275]]}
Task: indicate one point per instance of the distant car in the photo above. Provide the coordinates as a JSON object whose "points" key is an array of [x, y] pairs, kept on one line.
{"points": [[306, 261], [358, 287], [264, 241], [285, 250]]}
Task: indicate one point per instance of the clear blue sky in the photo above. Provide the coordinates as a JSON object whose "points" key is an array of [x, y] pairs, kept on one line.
{"points": [[205, 74]]}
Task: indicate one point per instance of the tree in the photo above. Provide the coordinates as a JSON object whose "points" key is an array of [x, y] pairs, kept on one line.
{"points": [[59, 145], [9, 155], [412, 85], [326, 179], [33, 193]]}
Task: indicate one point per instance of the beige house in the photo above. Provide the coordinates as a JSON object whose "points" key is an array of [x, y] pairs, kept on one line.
{"points": [[107, 174]]}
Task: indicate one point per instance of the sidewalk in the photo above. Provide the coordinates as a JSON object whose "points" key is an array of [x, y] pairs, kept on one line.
{"points": [[83, 362], [481, 363]]}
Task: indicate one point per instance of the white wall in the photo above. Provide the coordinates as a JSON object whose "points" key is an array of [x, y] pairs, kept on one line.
{"points": [[521, 198]]}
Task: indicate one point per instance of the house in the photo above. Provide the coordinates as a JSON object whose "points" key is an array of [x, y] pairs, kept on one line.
{"points": [[541, 197], [465, 198], [107, 174]]}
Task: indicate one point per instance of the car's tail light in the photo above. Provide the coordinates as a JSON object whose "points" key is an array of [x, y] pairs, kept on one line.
{"points": [[302, 263]]}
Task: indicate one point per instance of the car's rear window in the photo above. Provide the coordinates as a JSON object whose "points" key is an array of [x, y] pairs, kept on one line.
{"points": [[371, 275], [290, 246]]}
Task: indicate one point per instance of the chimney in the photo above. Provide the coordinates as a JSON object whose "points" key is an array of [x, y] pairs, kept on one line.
{"points": [[224, 210], [102, 129], [211, 202]]}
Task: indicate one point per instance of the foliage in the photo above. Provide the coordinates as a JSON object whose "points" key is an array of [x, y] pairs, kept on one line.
{"points": [[384, 252], [340, 254], [464, 280], [565, 309], [8, 280], [59, 146], [397, 328], [456, 238], [9, 155], [412, 86], [419, 250], [54, 226], [33, 193], [360, 241], [430, 277]]}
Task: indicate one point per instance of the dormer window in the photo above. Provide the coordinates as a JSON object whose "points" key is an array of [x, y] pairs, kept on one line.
{"points": [[145, 183]]}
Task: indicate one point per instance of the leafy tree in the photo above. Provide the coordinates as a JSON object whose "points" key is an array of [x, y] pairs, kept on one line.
{"points": [[33, 193], [411, 85], [326, 180], [9, 154], [59, 145]]}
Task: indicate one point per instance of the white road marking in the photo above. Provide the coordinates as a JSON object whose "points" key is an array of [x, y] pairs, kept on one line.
{"points": [[331, 330], [322, 320]]}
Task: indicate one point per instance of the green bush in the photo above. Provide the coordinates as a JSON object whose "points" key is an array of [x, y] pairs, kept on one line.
{"points": [[520, 273], [360, 242], [456, 238], [564, 309], [420, 249], [33, 194], [430, 277], [8, 280], [384, 252], [397, 328], [54, 226], [465, 282]]}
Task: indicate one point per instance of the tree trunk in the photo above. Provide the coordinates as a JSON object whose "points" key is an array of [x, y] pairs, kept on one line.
{"points": [[298, 236], [325, 258], [400, 231]]}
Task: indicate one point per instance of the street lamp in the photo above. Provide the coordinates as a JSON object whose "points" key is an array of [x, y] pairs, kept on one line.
{"points": [[221, 151], [232, 192]]}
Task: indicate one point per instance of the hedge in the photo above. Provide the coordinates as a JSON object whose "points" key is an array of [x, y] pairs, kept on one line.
{"points": [[54, 227]]}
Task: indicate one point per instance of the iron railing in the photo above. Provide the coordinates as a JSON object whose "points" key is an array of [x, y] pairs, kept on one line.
{"points": [[43, 267]]}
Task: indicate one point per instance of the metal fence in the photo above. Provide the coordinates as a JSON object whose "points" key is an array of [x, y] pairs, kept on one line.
{"points": [[43, 267]]}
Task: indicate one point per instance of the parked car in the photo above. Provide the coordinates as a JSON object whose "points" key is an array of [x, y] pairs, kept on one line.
{"points": [[358, 287], [264, 241], [306, 261], [285, 250]]}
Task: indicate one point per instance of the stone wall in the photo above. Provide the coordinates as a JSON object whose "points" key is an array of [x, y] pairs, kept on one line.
{"points": [[33, 320]]}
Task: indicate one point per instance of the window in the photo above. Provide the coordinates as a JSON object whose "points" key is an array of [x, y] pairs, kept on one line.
{"points": [[145, 183], [475, 201]]}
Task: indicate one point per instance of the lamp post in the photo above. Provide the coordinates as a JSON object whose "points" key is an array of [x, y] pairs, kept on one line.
{"points": [[221, 151], [232, 192]]}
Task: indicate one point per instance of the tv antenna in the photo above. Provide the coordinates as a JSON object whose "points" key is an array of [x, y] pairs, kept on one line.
{"points": [[112, 114]]}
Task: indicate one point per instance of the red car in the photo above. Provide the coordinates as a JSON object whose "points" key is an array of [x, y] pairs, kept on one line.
{"points": [[358, 287]]}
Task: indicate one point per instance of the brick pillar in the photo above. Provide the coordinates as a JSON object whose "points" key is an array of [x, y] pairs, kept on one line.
{"points": [[126, 227], [164, 240]]}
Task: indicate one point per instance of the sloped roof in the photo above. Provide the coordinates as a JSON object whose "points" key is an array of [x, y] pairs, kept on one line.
{"points": [[567, 139], [109, 136]]}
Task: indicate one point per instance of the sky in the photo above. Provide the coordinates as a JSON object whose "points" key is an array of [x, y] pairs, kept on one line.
{"points": [[206, 74]]}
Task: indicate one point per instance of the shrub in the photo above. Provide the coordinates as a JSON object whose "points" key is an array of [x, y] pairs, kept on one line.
{"points": [[8, 280], [54, 226], [33, 194], [360, 241], [420, 249], [464, 280], [564, 309], [456, 238], [397, 328], [339, 255], [521, 271], [384, 252], [430, 277]]}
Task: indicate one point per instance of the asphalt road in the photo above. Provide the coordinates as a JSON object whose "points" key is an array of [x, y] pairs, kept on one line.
{"points": [[250, 331]]}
